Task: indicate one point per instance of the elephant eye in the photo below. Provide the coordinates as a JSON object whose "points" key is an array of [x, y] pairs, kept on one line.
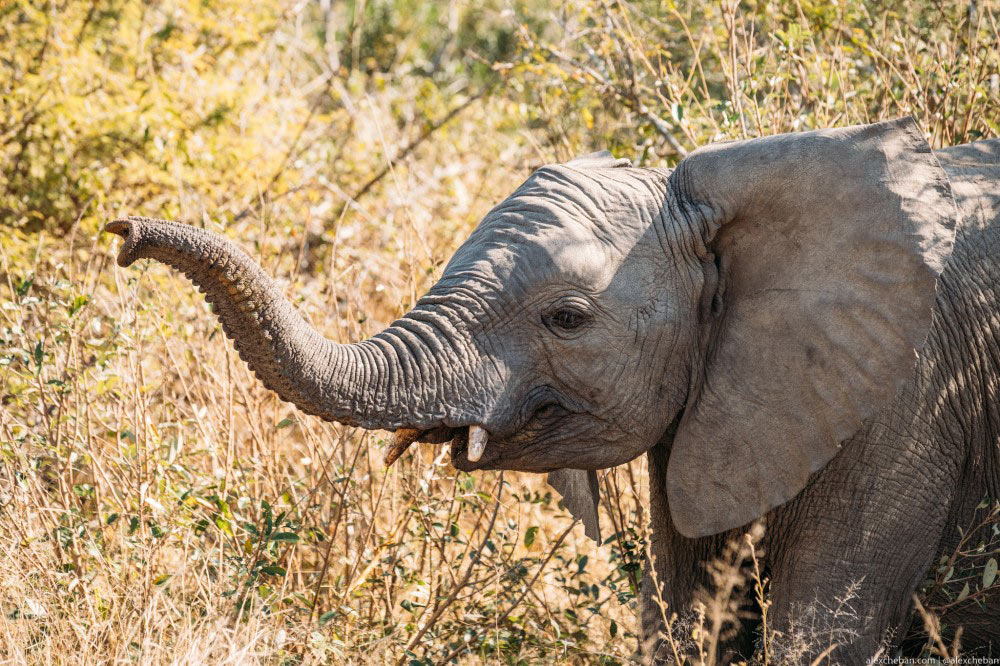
{"points": [[566, 319], [550, 411]]}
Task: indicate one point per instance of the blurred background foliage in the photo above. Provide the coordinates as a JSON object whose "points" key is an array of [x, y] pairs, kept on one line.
{"points": [[156, 504]]}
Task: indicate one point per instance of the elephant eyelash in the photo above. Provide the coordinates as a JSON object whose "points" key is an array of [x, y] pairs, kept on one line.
{"points": [[565, 319], [550, 411]]}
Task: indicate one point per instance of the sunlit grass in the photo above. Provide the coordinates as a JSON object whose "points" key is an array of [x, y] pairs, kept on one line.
{"points": [[157, 505]]}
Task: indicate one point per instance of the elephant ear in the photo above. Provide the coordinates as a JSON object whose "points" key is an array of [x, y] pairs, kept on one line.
{"points": [[827, 246], [579, 488], [580, 496]]}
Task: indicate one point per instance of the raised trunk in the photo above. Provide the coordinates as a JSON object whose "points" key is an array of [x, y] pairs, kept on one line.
{"points": [[389, 381]]}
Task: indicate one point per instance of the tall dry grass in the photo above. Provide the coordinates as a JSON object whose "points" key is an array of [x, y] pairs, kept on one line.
{"points": [[156, 504]]}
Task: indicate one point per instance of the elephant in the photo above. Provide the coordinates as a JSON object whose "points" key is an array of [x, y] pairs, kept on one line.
{"points": [[801, 329]]}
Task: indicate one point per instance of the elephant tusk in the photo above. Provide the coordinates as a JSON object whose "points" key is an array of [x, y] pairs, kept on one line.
{"points": [[477, 442], [401, 440]]}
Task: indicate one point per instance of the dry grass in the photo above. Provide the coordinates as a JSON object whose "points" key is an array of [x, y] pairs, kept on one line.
{"points": [[156, 504], [159, 505]]}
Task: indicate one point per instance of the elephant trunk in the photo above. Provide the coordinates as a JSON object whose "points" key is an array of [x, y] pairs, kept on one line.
{"points": [[390, 381]]}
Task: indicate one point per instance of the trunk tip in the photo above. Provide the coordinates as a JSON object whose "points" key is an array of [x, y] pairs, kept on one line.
{"points": [[401, 440], [121, 227], [128, 228]]}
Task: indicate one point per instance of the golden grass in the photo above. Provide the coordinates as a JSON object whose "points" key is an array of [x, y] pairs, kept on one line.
{"points": [[156, 504]]}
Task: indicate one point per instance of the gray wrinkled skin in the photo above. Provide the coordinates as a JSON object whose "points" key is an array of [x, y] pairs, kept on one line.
{"points": [[801, 328]]}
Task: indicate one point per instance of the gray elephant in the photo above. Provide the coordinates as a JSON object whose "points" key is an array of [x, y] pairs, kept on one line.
{"points": [[803, 328]]}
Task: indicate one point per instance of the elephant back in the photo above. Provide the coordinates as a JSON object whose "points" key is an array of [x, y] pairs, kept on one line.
{"points": [[974, 171]]}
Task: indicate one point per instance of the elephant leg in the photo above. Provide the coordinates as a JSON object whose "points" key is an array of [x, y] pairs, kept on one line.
{"points": [[667, 587], [850, 552], [671, 587], [674, 574], [655, 609]]}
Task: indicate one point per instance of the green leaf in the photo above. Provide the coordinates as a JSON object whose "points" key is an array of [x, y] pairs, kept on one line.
{"points": [[964, 593], [38, 354], [23, 286], [77, 303], [990, 572], [164, 33], [614, 629], [224, 508], [327, 616], [273, 570], [529, 536], [224, 525], [286, 537], [284, 423], [161, 579]]}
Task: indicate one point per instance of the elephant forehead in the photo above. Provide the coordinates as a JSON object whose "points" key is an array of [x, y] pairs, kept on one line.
{"points": [[570, 225], [524, 255], [612, 202]]}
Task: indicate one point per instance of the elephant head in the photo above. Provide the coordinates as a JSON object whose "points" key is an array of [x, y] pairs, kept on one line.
{"points": [[749, 308]]}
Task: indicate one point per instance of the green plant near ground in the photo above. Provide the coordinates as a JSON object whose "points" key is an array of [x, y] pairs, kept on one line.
{"points": [[159, 506]]}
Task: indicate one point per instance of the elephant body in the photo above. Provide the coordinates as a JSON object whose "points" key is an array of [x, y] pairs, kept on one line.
{"points": [[801, 328], [871, 524]]}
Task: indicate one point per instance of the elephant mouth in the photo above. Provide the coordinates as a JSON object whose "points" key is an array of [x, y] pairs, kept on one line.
{"points": [[472, 447], [460, 449], [458, 439]]}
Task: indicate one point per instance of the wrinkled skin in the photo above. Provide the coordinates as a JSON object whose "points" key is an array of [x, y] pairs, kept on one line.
{"points": [[886, 508], [566, 285], [750, 321]]}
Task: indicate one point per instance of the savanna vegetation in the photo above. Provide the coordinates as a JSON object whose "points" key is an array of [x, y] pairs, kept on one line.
{"points": [[157, 505]]}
